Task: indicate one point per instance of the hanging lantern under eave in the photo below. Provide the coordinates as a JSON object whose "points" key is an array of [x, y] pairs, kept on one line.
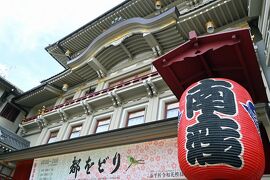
{"points": [[210, 26], [68, 53], [65, 87], [218, 133], [158, 4]]}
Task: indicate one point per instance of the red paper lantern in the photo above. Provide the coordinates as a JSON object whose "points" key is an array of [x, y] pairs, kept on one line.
{"points": [[218, 133]]}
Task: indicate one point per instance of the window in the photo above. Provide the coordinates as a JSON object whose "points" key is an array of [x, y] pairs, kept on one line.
{"points": [[103, 125], [10, 112], [52, 137], [135, 118], [75, 132], [171, 110]]}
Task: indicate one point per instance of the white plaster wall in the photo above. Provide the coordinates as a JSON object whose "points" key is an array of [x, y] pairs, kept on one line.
{"points": [[264, 17], [32, 138], [11, 126], [45, 133], [118, 114], [266, 177], [7, 124]]}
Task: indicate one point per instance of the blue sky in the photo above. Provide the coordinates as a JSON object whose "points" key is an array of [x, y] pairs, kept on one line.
{"points": [[28, 26]]}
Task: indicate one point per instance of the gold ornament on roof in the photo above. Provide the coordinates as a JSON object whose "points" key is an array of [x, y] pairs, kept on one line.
{"points": [[43, 110], [39, 112]]}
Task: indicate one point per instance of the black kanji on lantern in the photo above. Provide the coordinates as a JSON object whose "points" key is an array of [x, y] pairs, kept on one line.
{"points": [[214, 138], [75, 167], [210, 96]]}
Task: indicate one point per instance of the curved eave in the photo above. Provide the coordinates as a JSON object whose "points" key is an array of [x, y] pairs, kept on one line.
{"points": [[67, 76], [127, 49], [167, 37], [37, 95], [222, 12], [56, 76], [10, 87], [124, 29], [126, 10], [137, 36]]}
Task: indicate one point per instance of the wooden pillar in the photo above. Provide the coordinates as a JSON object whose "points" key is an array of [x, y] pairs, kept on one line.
{"points": [[23, 170]]}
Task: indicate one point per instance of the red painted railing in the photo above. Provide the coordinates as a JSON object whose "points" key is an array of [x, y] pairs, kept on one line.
{"points": [[30, 118], [103, 91]]}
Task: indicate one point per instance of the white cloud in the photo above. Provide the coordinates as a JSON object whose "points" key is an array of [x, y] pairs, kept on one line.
{"points": [[4, 71], [27, 26], [27, 22]]}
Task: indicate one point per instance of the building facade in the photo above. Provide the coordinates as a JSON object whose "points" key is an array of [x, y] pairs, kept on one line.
{"points": [[10, 118], [110, 95]]}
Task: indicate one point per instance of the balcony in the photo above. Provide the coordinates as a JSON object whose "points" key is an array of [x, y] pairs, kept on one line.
{"points": [[146, 85]]}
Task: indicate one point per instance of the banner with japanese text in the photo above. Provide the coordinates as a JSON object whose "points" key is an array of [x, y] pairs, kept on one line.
{"points": [[148, 160]]}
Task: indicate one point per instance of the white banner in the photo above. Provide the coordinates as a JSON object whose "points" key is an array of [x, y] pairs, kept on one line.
{"points": [[148, 160]]}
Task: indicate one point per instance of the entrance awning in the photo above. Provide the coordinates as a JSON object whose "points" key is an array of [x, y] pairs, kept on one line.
{"points": [[223, 55]]}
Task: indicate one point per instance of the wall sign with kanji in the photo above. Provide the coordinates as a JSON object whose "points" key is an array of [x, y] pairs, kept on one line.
{"points": [[218, 134]]}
